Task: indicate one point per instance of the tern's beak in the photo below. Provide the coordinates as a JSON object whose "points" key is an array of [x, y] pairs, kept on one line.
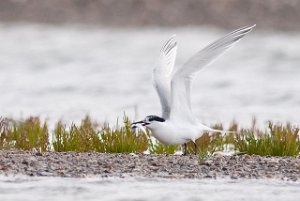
{"points": [[134, 125], [139, 124], [143, 123]]}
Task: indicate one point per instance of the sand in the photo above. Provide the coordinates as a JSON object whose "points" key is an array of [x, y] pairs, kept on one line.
{"points": [[72, 164]]}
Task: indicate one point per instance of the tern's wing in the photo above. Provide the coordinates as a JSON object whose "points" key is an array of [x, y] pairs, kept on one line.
{"points": [[181, 81], [162, 74]]}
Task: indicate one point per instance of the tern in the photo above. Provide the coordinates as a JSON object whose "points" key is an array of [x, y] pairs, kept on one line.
{"points": [[178, 125]]}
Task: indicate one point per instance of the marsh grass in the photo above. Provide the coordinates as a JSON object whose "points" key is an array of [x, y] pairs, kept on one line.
{"points": [[5, 136], [82, 138], [31, 134], [122, 139], [89, 136], [277, 140]]}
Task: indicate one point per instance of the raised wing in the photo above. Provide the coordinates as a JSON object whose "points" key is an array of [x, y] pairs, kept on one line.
{"points": [[181, 81], [162, 74]]}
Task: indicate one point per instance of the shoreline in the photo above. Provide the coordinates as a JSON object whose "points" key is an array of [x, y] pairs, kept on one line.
{"points": [[73, 164], [268, 14]]}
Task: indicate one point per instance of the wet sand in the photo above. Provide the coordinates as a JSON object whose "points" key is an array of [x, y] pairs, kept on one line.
{"points": [[71, 164]]}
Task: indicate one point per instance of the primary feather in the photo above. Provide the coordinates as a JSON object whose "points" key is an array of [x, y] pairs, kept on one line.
{"points": [[181, 81], [162, 74]]}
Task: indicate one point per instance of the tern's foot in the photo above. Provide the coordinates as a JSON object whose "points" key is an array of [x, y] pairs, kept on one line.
{"points": [[184, 149]]}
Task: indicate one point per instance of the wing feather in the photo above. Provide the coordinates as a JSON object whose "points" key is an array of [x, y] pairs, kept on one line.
{"points": [[162, 74], [181, 81]]}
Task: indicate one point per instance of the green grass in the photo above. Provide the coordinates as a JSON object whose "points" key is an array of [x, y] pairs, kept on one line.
{"points": [[89, 136], [82, 138], [121, 139], [277, 140], [31, 134]]}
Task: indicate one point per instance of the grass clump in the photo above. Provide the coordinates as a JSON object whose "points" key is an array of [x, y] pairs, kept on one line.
{"points": [[278, 140], [5, 136], [123, 139], [82, 138], [90, 137], [31, 134]]}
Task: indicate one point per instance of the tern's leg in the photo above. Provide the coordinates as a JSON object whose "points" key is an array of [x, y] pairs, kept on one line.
{"points": [[196, 147], [184, 149]]}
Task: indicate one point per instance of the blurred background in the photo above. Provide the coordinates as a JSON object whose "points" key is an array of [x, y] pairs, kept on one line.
{"points": [[63, 59]]}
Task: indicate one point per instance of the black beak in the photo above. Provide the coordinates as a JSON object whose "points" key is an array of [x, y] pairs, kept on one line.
{"points": [[143, 123], [137, 122], [133, 125]]}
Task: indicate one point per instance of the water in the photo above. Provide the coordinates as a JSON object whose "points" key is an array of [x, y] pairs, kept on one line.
{"points": [[69, 71], [112, 189]]}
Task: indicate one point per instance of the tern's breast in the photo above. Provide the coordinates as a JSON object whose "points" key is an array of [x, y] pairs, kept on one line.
{"points": [[173, 134]]}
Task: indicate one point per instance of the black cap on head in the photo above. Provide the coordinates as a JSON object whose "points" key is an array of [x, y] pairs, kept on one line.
{"points": [[155, 118]]}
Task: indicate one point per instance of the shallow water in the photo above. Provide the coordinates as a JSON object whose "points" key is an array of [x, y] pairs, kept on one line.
{"points": [[68, 72], [114, 189]]}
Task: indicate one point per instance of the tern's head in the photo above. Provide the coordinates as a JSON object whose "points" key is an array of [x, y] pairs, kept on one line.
{"points": [[148, 122]]}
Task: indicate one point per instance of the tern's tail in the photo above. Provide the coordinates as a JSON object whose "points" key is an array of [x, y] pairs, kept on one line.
{"points": [[223, 132]]}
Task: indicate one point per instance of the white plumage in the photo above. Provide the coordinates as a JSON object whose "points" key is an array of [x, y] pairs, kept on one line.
{"points": [[178, 124]]}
